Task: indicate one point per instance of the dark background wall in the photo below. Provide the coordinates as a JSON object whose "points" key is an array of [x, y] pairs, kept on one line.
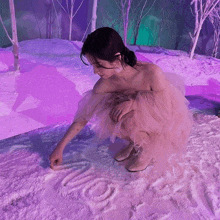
{"points": [[167, 24]]}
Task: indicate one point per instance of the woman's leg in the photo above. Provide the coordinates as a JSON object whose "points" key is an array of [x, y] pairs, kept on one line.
{"points": [[143, 156], [124, 134], [143, 143], [127, 128]]}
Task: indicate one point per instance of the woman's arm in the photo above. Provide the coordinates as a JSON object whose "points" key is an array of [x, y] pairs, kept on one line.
{"points": [[56, 157], [73, 130]]}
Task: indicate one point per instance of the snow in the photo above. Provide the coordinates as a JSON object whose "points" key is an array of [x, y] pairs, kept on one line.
{"points": [[37, 107]]}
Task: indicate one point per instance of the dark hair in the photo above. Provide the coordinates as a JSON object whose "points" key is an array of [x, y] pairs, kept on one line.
{"points": [[103, 44]]}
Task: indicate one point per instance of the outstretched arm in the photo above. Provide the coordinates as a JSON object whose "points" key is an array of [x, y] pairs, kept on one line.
{"points": [[57, 154], [73, 130]]}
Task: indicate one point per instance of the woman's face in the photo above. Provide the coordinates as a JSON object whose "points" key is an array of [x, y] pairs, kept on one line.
{"points": [[102, 72]]}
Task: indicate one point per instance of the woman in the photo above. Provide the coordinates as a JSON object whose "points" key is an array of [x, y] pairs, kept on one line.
{"points": [[132, 100]]}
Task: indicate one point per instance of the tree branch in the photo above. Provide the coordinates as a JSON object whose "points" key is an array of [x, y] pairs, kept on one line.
{"points": [[197, 14], [67, 5], [62, 6], [71, 10], [190, 35], [78, 8], [118, 5], [138, 5], [86, 29], [213, 6], [56, 14], [149, 9], [6, 30], [201, 8]]}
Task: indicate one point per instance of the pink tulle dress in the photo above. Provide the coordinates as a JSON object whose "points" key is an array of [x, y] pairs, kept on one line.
{"points": [[164, 115]]}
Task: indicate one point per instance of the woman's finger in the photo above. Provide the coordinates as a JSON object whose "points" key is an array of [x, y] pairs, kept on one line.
{"points": [[111, 114], [118, 117], [117, 114], [51, 165]]}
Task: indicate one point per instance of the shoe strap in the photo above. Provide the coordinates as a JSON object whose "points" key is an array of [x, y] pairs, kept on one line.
{"points": [[137, 149]]}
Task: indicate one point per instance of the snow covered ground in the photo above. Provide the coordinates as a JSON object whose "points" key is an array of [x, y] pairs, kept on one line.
{"points": [[39, 104]]}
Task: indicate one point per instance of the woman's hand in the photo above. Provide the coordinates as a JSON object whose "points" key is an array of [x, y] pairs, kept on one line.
{"points": [[120, 110], [56, 158]]}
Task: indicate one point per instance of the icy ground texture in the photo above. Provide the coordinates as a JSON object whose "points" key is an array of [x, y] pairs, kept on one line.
{"points": [[92, 185]]}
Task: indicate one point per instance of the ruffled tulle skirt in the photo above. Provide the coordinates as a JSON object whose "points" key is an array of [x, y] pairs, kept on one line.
{"points": [[160, 121]]}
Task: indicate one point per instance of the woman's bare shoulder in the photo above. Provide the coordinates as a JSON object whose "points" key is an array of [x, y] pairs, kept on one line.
{"points": [[103, 86], [156, 77], [148, 66], [153, 77]]}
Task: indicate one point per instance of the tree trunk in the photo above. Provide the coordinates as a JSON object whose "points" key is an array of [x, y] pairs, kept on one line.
{"points": [[180, 19], [71, 19], [161, 27], [214, 18], [48, 5], [139, 23], [195, 40], [94, 15], [14, 36], [216, 43], [136, 33], [126, 20], [201, 14]]}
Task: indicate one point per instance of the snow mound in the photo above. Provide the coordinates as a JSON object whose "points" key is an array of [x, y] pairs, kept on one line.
{"points": [[6, 60], [5, 110], [3, 67], [49, 47]]}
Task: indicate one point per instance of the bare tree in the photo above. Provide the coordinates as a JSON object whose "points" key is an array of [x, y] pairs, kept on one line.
{"points": [[214, 18], [181, 9], [202, 11], [163, 21], [142, 15], [93, 19], [86, 30], [36, 18], [109, 21], [14, 39], [206, 34], [94, 16], [48, 4], [69, 11], [125, 9]]}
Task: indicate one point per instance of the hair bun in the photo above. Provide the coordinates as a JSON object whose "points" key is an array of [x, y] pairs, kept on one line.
{"points": [[129, 57], [126, 51]]}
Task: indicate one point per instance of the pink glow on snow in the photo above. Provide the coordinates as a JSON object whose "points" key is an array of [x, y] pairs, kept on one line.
{"points": [[210, 91]]}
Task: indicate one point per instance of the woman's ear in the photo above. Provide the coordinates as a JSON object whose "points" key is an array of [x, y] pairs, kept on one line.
{"points": [[118, 60]]}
